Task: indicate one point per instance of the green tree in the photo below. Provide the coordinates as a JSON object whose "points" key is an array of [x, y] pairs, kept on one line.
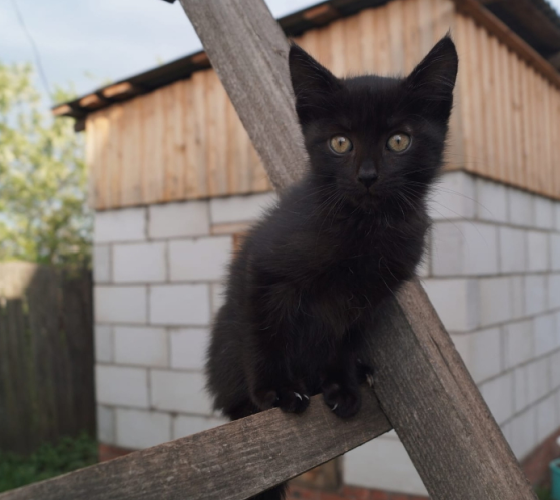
{"points": [[44, 216]]}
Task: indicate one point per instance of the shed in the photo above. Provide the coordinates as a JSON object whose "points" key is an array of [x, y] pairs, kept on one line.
{"points": [[175, 182]]}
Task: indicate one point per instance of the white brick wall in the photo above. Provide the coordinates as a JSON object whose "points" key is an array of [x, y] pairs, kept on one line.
{"points": [[492, 271], [117, 385], [179, 391], [141, 346], [142, 429], [128, 224], [139, 263], [180, 305], [174, 220], [240, 208], [123, 304], [202, 259]]}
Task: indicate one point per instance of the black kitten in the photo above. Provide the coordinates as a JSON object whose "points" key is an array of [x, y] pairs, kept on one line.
{"points": [[303, 288]]}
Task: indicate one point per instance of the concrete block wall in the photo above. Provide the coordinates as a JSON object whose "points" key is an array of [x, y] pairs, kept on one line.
{"points": [[492, 271], [158, 274], [493, 274]]}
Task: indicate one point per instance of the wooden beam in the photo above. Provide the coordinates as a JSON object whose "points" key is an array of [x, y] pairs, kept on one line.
{"points": [[413, 350], [485, 18], [231, 462]]}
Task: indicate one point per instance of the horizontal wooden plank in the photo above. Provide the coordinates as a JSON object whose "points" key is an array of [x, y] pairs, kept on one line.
{"points": [[257, 452]]}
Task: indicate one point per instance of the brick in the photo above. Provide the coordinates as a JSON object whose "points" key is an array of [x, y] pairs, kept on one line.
{"points": [[498, 394], [495, 300], [521, 388], [141, 346], [554, 291], [382, 464], [456, 302], [481, 351], [492, 202], [186, 425], [201, 259], [104, 343], [175, 220], [180, 305], [188, 348], [240, 208], [535, 294], [139, 263], [464, 248], [524, 436], [555, 251], [105, 424], [128, 224], [453, 197], [120, 304], [217, 295], [521, 208], [116, 385], [101, 263], [517, 288], [537, 251], [546, 417], [519, 343], [513, 250], [138, 429], [555, 370], [557, 215], [545, 334], [544, 213], [538, 379], [179, 391]]}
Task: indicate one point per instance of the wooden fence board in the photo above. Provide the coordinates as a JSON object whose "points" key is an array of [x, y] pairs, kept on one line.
{"points": [[231, 462], [46, 356]]}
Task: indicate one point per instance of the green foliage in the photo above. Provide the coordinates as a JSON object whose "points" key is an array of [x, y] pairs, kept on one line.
{"points": [[43, 211], [48, 461], [543, 493]]}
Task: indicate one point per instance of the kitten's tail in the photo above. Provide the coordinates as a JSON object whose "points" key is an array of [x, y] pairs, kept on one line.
{"points": [[276, 493]]}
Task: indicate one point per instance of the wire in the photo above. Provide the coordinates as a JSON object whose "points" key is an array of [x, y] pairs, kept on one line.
{"points": [[36, 52]]}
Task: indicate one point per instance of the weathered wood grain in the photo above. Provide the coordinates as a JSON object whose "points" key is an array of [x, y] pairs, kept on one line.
{"points": [[260, 91], [231, 462]]}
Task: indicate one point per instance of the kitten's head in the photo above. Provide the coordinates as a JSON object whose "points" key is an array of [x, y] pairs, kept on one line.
{"points": [[376, 138]]}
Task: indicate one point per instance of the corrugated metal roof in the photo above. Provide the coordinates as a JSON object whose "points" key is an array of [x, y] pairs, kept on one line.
{"points": [[535, 21]]}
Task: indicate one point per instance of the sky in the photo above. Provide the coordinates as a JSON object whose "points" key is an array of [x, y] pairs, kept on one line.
{"points": [[90, 42]]}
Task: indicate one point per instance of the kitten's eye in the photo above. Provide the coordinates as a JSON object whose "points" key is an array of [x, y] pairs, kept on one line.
{"points": [[398, 142], [340, 144]]}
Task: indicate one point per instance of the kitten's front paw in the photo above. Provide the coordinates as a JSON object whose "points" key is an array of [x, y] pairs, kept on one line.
{"points": [[288, 399], [343, 401]]}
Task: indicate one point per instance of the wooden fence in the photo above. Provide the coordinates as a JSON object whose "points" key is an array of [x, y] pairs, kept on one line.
{"points": [[46, 355], [422, 388]]}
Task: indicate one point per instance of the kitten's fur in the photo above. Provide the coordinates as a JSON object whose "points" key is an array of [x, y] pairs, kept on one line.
{"points": [[303, 288]]}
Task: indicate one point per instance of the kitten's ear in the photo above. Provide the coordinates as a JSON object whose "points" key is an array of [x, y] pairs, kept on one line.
{"points": [[433, 80], [313, 84]]}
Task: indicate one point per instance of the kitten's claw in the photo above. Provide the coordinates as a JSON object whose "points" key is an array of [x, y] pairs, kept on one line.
{"points": [[369, 379], [334, 407], [344, 400], [298, 396], [306, 397], [285, 398]]}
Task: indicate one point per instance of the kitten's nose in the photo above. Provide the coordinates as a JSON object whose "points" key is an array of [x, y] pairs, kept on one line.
{"points": [[368, 178]]}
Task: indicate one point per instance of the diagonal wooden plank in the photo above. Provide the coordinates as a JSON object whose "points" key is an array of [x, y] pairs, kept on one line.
{"points": [[441, 418], [231, 462]]}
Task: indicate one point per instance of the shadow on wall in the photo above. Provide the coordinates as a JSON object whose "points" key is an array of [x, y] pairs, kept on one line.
{"points": [[46, 355]]}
